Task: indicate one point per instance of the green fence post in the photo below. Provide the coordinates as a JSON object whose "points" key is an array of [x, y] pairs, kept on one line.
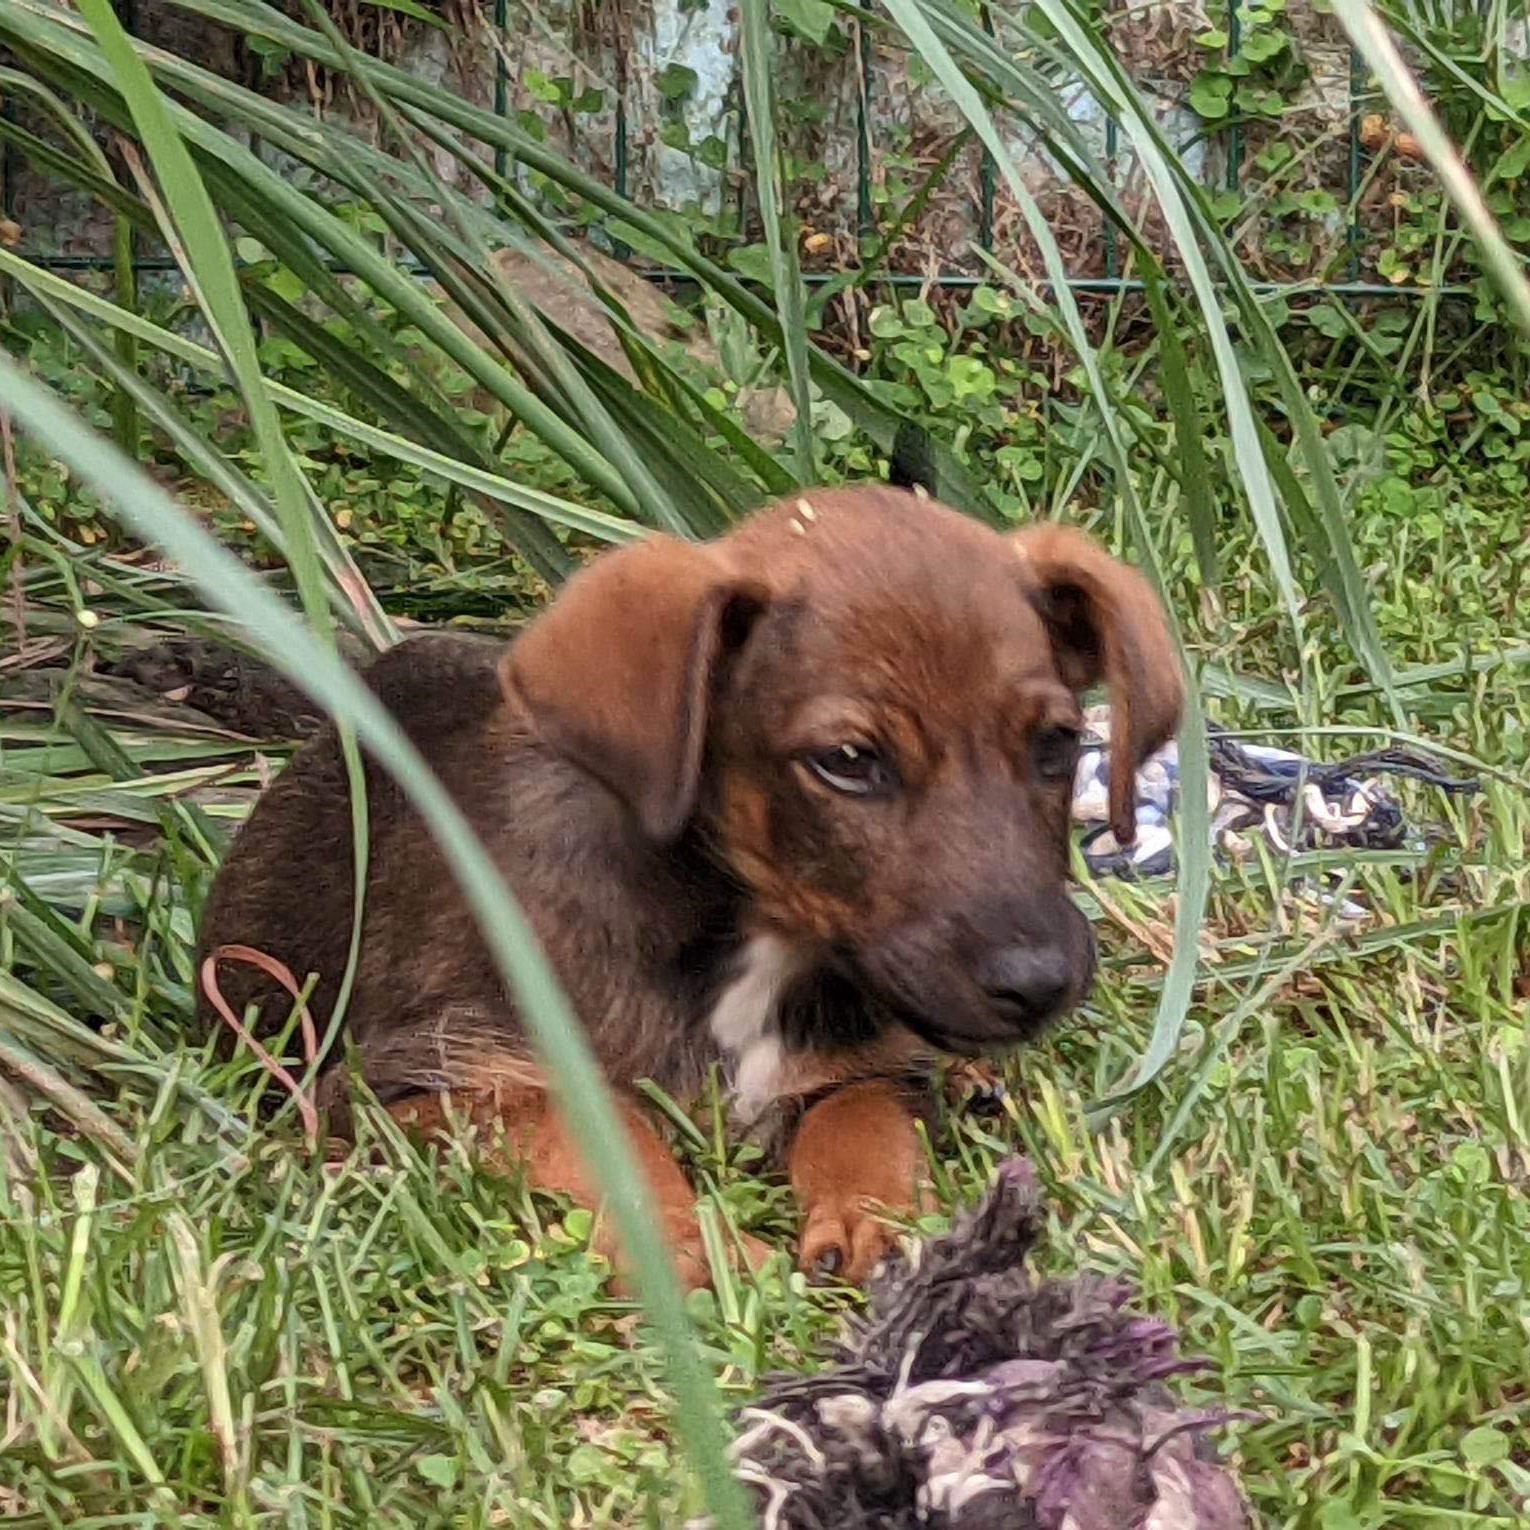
{"points": [[1112, 146], [1234, 132], [864, 223], [987, 172], [501, 78], [1354, 233]]}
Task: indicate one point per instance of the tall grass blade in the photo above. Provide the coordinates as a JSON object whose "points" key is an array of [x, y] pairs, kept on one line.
{"points": [[583, 1095], [465, 262], [1187, 216], [1189, 432], [780, 226], [124, 272], [1193, 882], [549, 507], [209, 267], [1123, 100], [45, 27], [206, 261]]}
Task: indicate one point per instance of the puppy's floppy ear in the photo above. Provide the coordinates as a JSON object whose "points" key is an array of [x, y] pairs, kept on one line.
{"points": [[1106, 624], [618, 674]]}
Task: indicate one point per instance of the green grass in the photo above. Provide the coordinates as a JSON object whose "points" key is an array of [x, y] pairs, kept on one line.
{"points": [[1325, 1190], [1324, 1186]]}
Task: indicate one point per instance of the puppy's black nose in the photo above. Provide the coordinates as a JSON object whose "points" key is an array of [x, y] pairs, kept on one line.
{"points": [[1030, 981]]}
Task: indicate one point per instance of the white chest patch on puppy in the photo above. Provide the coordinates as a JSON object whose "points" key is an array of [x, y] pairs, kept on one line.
{"points": [[743, 1022]]}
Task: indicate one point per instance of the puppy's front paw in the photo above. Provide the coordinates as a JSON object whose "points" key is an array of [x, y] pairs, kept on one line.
{"points": [[845, 1240]]}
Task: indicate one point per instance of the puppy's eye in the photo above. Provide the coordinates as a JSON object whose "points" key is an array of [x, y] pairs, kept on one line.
{"points": [[1054, 753], [854, 769]]}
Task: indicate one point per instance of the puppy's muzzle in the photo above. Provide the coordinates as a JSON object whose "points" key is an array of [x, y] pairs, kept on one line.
{"points": [[1027, 985], [987, 981]]}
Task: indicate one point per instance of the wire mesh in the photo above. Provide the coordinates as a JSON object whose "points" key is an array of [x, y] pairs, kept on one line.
{"points": [[1113, 281]]}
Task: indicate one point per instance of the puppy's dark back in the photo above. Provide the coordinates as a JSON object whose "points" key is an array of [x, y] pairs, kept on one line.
{"points": [[628, 925], [287, 886]]}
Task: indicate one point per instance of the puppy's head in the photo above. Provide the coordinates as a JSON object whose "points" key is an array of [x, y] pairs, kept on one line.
{"points": [[871, 704]]}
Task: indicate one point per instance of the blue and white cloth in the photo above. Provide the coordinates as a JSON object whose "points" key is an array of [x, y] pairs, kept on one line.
{"points": [[1295, 804]]}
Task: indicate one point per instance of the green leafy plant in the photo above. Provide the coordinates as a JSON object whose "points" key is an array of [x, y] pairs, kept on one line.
{"points": [[1252, 77]]}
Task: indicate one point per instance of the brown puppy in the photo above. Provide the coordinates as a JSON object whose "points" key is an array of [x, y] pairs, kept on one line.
{"points": [[795, 802]]}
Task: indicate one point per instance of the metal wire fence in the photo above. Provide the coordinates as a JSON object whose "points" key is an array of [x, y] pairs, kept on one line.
{"points": [[1361, 95], [1232, 137]]}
